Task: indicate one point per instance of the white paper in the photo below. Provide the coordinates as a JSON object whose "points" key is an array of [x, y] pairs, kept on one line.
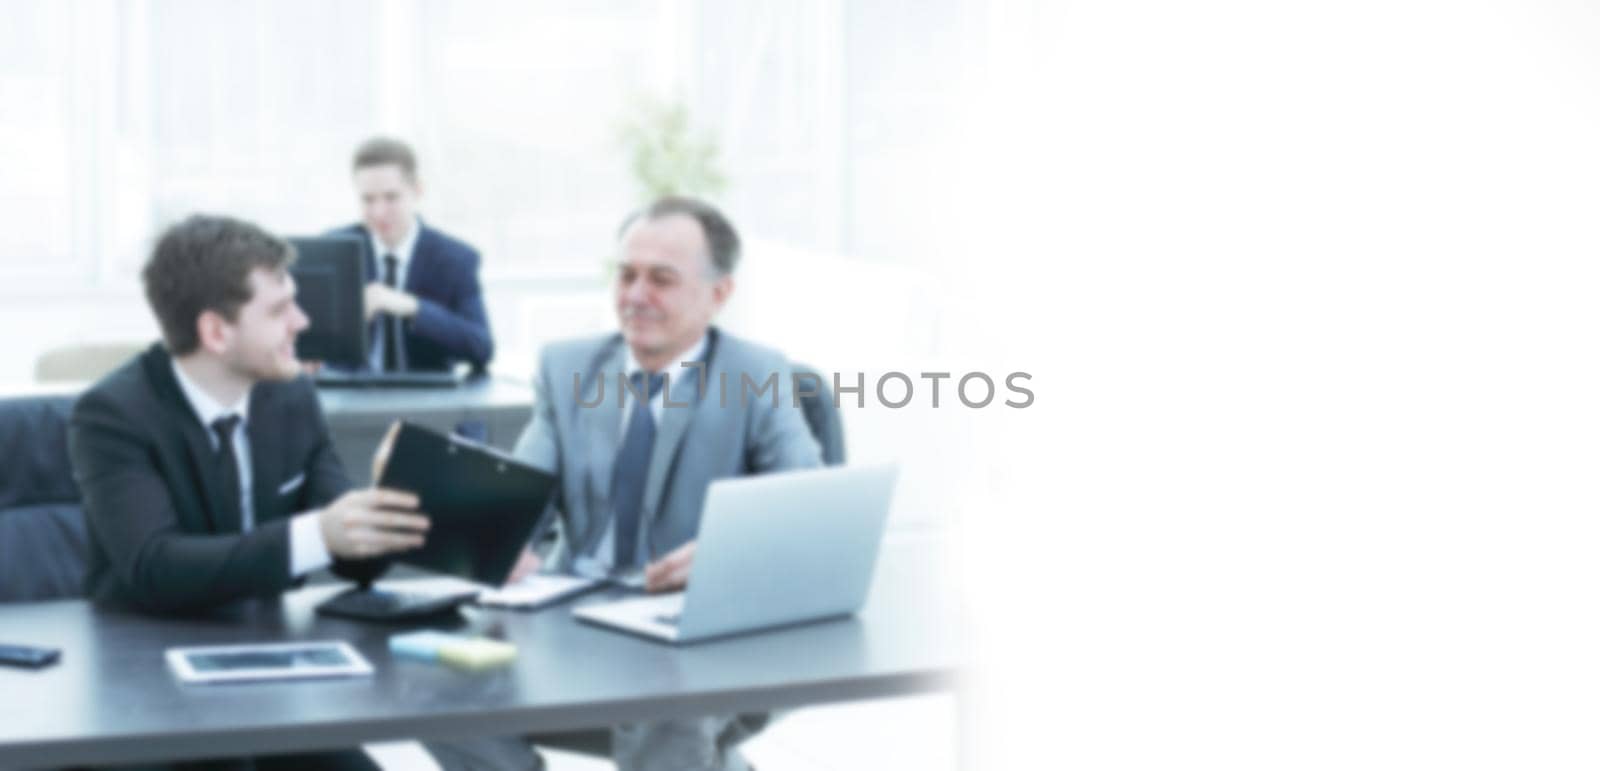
{"points": [[435, 586], [535, 590]]}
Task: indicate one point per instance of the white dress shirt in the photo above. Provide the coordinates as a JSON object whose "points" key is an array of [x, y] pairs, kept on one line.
{"points": [[601, 561], [307, 551], [402, 253]]}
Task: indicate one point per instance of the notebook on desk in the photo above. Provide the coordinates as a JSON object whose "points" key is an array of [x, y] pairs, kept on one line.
{"points": [[482, 506], [539, 590]]}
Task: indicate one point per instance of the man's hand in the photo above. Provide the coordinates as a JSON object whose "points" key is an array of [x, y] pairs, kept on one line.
{"points": [[528, 564], [379, 298], [372, 523], [671, 572]]}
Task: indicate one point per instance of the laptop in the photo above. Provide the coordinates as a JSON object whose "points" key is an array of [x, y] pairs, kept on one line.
{"points": [[328, 274], [773, 550]]}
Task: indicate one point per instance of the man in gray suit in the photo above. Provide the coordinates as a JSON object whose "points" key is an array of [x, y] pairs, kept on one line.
{"points": [[634, 472]]}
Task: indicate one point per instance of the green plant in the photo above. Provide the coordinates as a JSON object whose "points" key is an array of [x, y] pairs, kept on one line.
{"points": [[666, 155]]}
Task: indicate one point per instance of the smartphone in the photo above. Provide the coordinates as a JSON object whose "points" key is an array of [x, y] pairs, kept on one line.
{"points": [[28, 656]]}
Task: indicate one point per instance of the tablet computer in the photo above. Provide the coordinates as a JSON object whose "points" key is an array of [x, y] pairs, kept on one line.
{"points": [[267, 661]]}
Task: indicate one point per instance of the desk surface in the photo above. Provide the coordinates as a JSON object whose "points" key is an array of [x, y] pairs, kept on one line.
{"points": [[112, 698]]}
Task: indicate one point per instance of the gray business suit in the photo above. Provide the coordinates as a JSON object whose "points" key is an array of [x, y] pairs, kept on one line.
{"points": [[714, 437], [706, 432]]}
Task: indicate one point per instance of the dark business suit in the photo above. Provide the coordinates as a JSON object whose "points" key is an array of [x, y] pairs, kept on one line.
{"points": [[451, 324], [160, 537]]}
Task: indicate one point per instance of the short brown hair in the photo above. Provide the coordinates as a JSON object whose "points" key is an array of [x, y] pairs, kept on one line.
{"points": [[204, 263], [381, 151]]}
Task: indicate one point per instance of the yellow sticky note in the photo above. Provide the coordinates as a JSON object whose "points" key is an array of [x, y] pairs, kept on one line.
{"points": [[479, 653]]}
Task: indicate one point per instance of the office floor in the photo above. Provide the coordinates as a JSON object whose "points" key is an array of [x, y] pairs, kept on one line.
{"points": [[912, 732]]}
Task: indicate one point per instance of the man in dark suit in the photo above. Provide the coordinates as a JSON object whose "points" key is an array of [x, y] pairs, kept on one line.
{"points": [[423, 297], [207, 471]]}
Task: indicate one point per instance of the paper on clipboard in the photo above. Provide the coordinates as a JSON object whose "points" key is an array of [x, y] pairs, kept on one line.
{"points": [[537, 591]]}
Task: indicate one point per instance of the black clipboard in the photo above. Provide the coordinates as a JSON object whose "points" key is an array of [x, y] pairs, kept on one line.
{"points": [[482, 504]]}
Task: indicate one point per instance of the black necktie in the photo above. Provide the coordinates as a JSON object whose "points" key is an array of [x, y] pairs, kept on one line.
{"points": [[391, 323], [633, 463], [228, 469]]}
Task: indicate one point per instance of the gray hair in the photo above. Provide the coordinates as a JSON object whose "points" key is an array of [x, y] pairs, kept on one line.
{"points": [[721, 238]]}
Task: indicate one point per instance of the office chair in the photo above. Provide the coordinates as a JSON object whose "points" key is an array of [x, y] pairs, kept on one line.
{"points": [[43, 536], [822, 415], [83, 362]]}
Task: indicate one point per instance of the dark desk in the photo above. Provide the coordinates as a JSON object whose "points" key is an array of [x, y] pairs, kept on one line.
{"points": [[358, 417], [113, 700]]}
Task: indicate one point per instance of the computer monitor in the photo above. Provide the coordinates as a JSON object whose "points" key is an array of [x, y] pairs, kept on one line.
{"points": [[328, 277]]}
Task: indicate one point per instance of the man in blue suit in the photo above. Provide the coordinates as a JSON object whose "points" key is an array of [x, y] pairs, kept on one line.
{"points": [[423, 297]]}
